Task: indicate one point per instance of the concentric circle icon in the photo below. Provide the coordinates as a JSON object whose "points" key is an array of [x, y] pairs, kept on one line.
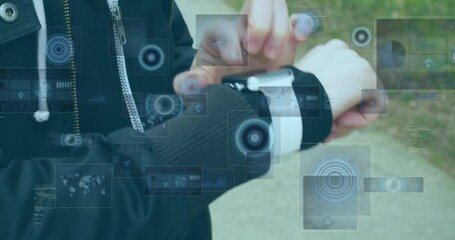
{"points": [[307, 22], [60, 49], [151, 57], [254, 136], [42, 90], [361, 36], [191, 86], [393, 184], [336, 180], [164, 105]]}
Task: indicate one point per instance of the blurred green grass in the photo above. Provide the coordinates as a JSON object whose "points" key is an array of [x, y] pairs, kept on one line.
{"points": [[438, 117]]}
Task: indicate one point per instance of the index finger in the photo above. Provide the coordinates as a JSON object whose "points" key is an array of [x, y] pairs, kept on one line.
{"points": [[258, 23]]}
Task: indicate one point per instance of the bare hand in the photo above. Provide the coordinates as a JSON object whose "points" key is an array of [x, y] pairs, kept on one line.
{"points": [[344, 74], [263, 39]]}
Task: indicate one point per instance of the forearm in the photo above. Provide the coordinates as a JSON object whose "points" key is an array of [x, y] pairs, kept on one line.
{"points": [[204, 143]]}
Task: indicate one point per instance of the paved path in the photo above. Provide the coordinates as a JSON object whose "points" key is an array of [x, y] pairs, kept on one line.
{"points": [[270, 208]]}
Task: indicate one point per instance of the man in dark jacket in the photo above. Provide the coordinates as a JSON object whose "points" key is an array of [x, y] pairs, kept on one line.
{"points": [[93, 142]]}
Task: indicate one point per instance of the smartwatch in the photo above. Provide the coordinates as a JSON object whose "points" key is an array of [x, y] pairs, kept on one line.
{"points": [[293, 101]]}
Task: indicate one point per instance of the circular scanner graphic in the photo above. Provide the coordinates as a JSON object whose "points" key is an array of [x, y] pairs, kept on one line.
{"points": [[151, 57], [191, 86], [254, 136], [164, 105], [336, 180], [361, 36], [393, 184], [307, 22], [42, 90], [60, 49]]}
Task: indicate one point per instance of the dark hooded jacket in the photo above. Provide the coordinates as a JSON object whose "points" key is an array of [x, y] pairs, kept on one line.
{"points": [[99, 187]]}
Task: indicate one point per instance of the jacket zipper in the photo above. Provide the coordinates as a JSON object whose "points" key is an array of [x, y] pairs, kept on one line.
{"points": [[120, 40], [72, 73]]}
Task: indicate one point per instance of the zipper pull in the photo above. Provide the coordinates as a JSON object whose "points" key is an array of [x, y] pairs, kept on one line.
{"points": [[118, 22]]}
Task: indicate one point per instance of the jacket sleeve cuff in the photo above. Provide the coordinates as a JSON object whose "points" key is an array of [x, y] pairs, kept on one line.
{"points": [[316, 111]]}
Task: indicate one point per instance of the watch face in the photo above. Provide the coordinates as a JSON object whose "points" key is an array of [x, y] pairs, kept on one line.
{"points": [[245, 75], [254, 79], [236, 84], [239, 81], [280, 74]]}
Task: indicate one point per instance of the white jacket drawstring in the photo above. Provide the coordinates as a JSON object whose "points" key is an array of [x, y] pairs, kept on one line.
{"points": [[42, 114]]}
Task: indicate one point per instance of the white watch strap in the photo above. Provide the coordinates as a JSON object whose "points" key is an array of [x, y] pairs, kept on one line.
{"points": [[286, 117]]}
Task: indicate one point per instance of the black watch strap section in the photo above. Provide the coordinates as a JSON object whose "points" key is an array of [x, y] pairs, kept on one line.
{"points": [[314, 108], [256, 99]]}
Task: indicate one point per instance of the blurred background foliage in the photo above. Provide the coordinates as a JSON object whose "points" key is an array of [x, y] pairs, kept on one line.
{"points": [[434, 120]]}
